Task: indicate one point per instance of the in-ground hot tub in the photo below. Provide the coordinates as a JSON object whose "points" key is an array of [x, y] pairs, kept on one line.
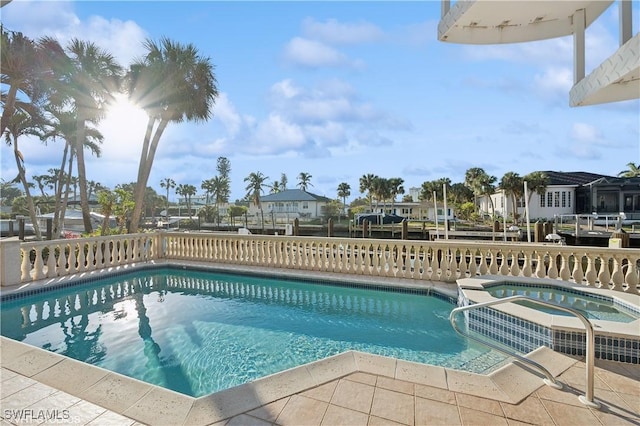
{"points": [[526, 326]]}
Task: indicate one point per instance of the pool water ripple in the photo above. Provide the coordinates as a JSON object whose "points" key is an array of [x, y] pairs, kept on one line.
{"points": [[198, 333]]}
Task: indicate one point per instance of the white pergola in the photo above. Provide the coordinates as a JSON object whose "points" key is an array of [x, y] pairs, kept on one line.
{"points": [[514, 21]]}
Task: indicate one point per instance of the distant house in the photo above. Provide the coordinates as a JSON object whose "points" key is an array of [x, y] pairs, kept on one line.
{"points": [[574, 193], [291, 203]]}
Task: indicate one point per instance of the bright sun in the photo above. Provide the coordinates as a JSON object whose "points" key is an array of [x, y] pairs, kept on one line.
{"points": [[123, 127], [125, 114]]}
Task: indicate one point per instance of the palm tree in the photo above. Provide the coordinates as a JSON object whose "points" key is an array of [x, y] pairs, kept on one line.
{"points": [[186, 190], [207, 186], [223, 166], [256, 182], [366, 184], [168, 184], [90, 81], [172, 83], [107, 201], [512, 184], [20, 124], [536, 182], [344, 190], [381, 190], [473, 178], [274, 188], [23, 70], [41, 180], [487, 187], [632, 171], [62, 125], [395, 187], [94, 187], [219, 185], [304, 181], [283, 182], [460, 193]]}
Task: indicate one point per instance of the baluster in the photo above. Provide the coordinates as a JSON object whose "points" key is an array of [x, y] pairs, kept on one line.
{"points": [[72, 266], [395, 261], [25, 267], [100, 253], [590, 274], [564, 268], [122, 250], [484, 269], [51, 261], [445, 265], [604, 277], [38, 265], [232, 253], [82, 261], [504, 265], [464, 264], [515, 263], [526, 264], [540, 268], [617, 278], [631, 277], [473, 265], [552, 272], [436, 272], [385, 254], [319, 257], [453, 264], [577, 275], [493, 267]]}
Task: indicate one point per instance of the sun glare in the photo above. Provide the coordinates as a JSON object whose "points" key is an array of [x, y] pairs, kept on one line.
{"points": [[124, 113], [123, 127]]}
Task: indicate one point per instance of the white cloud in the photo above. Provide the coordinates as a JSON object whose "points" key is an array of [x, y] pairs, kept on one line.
{"points": [[585, 133], [227, 114], [285, 89], [310, 53], [276, 134], [334, 32], [123, 39]]}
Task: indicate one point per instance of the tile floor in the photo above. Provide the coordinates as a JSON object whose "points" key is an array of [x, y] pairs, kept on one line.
{"points": [[368, 399]]}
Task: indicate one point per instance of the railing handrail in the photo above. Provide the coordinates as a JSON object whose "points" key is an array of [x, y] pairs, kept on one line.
{"points": [[613, 268], [587, 399]]}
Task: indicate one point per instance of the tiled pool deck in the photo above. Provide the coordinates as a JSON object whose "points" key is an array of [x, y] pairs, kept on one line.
{"points": [[359, 399], [39, 387]]}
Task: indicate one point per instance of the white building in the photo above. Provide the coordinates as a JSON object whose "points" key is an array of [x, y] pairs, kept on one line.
{"points": [[571, 193], [291, 204]]}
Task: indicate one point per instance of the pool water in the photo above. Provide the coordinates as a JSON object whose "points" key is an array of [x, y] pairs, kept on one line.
{"points": [[593, 308], [200, 332]]}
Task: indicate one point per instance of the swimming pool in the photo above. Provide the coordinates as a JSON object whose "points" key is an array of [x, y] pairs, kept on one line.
{"points": [[199, 332], [593, 307]]}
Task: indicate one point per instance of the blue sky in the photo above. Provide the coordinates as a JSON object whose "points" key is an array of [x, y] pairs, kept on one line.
{"points": [[342, 89]]}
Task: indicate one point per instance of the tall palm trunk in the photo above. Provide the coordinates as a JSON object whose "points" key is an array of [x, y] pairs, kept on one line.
{"points": [[9, 107], [144, 170], [59, 210], [23, 179], [82, 175]]}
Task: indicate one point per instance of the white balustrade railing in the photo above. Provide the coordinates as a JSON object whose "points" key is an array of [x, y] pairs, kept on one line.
{"points": [[56, 258], [615, 269]]}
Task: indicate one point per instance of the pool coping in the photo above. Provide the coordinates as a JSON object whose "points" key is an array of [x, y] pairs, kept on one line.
{"points": [[152, 404]]}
